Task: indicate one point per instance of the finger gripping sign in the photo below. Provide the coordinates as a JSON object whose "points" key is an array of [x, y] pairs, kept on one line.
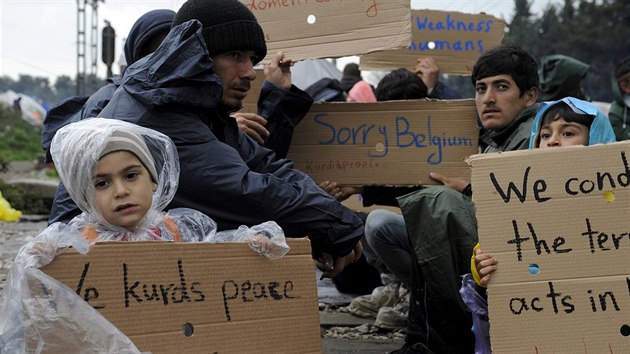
{"points": [[199, 297], [556, 220]]}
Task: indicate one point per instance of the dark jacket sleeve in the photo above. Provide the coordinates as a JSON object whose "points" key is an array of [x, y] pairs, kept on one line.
{"points": [[238, 182], [444, 92], [385, 195], [74, 109], [283, 109], [63, 208]]}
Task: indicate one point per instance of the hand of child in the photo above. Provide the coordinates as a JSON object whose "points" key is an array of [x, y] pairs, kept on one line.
{"points": [[261, 243], [37, 254], [486, 264], [264, 246]]}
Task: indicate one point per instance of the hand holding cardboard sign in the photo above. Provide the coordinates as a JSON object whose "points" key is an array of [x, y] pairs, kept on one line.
{"points": [[428, 70], [331, 267], [485, 264], [278, 71], [339, 192]]}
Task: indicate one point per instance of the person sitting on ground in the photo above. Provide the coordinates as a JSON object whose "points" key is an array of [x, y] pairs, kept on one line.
{"points": [[439, 221], [619, 112], [391, 256], [113, 176], [561, 76], [272, 127], [122, 176], [392, 264], [566, 122], [225, 174]]}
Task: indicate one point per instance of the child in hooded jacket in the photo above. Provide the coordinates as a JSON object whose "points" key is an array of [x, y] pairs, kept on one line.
{"points": [[121, 176], [565, 122]]}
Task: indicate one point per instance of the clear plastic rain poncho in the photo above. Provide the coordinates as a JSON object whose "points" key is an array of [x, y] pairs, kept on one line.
{"points": [[57, 319]]}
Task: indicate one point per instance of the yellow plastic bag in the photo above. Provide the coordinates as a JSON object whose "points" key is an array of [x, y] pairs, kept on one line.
{"points": [[7, 213]]}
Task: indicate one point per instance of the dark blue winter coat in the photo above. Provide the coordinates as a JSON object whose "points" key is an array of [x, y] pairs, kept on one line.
{"points": [[224, 173]]}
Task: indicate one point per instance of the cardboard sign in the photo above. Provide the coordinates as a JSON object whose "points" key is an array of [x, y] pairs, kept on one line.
{"points": [[557, 222], [454, 39], [310, 29], [386, 143], [232, 300]]}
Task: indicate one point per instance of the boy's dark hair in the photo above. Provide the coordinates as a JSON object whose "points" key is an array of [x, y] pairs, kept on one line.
{"points": [[564, 111], [508, 59], [400, 84]]}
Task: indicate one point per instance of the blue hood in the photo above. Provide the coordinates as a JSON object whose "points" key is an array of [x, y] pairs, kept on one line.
{"points": [[144, 30], [601, 131], [180, 71]]}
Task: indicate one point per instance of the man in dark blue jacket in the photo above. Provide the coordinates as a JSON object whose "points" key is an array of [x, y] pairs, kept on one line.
{"points": [[144, 38], [188, 88]]}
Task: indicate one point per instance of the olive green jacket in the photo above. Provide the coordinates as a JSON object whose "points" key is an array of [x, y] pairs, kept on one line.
{"points": [[442, 228], [619, 114]]}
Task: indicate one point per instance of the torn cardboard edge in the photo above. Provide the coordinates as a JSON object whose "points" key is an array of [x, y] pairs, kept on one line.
{"points": [[455, 40], [556, 220], [331, 29], [234, 299]]}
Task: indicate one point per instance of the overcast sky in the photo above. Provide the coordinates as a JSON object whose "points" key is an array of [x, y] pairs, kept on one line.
{"points": [[38, 37]]}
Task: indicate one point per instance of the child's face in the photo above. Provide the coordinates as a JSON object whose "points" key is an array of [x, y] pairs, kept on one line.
{"points": [[561, 133], [123, 189]]}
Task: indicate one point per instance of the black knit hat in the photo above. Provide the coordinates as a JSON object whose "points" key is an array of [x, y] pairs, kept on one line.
{"points": [[227, 25]]}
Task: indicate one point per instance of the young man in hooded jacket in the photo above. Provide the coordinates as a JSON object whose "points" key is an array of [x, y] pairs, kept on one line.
{"points": [[440, 220]]}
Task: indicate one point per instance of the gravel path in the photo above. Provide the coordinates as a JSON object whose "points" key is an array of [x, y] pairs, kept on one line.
{"points": [[13, 236]]}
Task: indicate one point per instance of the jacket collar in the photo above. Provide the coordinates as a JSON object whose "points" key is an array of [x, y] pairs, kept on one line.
{"points": [[497, 138]]}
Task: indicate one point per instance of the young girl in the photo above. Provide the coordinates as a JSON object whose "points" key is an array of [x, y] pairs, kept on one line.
{"points": [[121, 176], [565, 122]]}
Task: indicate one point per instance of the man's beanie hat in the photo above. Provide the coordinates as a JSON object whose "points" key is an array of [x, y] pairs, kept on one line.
{"points": [[125, 141], [227, 25]]}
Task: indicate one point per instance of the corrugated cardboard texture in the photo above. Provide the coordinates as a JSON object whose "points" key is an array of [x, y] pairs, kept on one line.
{"points": [[458, 39], [563, 285], [339, 28], [386, 143], [237, 301]]}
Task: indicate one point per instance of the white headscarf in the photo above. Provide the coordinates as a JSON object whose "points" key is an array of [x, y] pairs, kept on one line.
{"points": [[77, 148]]}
